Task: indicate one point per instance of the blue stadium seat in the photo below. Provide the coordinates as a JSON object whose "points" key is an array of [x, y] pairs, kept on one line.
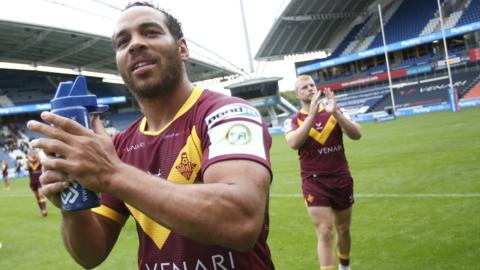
{"points": [[429, 92], [407, 22], [361, 101], [349, 38], [471, 13], [120, 121]]}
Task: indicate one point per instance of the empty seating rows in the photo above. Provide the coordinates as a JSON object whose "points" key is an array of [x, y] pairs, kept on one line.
{"points": [[407, 22], [360, 101], [410, 20], [428, 92], [346, 41], [120, 121], [471, 13]]}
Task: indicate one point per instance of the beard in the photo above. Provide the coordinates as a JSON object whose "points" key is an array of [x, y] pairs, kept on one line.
{"points": [[165, 83]]}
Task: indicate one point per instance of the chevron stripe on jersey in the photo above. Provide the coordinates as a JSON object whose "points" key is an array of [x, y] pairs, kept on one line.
{"points": [[322, 153], [179, 153], [322, 136]]}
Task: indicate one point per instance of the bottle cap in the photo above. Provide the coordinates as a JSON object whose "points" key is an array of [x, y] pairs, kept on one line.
{"points": [[70, 94]]}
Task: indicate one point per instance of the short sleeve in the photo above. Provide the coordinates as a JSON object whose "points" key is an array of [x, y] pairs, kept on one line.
{"points": [[290, 124], [236, 131], [112, 208]]}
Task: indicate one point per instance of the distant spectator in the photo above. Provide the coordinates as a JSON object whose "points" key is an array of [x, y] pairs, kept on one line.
{"points": [[435, 49], [5, 175], [18, 166]]}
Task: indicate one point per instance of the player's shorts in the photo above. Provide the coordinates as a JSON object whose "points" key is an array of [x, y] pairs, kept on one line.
{"points": [[329, 191], [35, 185], [5, 175]]}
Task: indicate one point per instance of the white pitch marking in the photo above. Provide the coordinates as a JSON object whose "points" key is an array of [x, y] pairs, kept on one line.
{"points": [[16, 195], [397, 195]]}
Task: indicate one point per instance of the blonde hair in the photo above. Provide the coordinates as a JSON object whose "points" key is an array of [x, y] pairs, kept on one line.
{"points": [[302, 78]]}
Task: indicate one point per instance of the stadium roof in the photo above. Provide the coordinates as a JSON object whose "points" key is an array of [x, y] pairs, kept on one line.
{"points": [[253, 82], [37, 45], [309, 26]]}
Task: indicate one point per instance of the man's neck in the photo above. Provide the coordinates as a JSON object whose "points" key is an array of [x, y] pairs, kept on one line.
{"points": [[306, 107], [160, 111]]}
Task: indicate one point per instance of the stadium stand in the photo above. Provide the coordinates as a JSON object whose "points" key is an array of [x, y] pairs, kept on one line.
{"points": [[347, 42], [13, 144], [357, 102], [28, 87], [5, 156], [474, 92], [415, 65], [427, 90], [120, 121], [372, 30], [400, 28], [471, 13]]}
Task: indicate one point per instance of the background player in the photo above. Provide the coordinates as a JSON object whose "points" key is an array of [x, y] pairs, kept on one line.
{"points": [[5, 175], [34, 172], [316, 132]]}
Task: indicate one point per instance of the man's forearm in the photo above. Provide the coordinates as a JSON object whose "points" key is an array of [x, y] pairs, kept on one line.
{"points": [[227, 210], [352, 129], [296, 138], [84, 238]]}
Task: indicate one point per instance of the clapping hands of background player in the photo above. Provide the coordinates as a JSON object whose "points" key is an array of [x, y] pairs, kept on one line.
{"points": [[331, 105]]}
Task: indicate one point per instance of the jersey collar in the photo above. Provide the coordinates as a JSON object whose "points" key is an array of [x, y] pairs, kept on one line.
{"points": [[320, 108], [192, 99]]}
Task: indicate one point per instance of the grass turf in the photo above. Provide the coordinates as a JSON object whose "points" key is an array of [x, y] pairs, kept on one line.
{"points": [[417, 186]]}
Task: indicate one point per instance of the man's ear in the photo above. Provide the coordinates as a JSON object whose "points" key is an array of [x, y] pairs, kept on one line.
{"points": [[183, 49]]}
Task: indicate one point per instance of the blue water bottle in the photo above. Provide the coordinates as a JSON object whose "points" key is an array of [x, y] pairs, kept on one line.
{"points": [[73, 101]]}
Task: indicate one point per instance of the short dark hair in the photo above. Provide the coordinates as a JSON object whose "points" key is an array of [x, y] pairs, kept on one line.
{"points": [[174, 26]]}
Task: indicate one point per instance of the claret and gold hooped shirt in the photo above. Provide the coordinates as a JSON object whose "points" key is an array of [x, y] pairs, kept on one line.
{"points": [[208, 128]]}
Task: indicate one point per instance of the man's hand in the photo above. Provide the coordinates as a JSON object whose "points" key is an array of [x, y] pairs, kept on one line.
{"points": [[315, 104], [331, 105], [53, 183], [88, 156]]}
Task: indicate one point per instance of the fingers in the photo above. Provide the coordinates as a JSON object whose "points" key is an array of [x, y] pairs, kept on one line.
{"points": [[316, 99], [68, 126], [53, 188], [51, 176], [41, 156], [331, 104], [61, 165], [52, 192], [317, 95], [52, 164], [328, 92], [47, 130], [51, 146], [53, 183], [97, 126]]}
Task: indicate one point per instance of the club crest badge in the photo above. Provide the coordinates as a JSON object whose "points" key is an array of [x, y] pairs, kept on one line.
{"points": [[185, 167]]}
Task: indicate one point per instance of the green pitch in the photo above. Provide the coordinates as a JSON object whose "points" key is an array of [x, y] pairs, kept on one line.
{"points": [[417, 185]]}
